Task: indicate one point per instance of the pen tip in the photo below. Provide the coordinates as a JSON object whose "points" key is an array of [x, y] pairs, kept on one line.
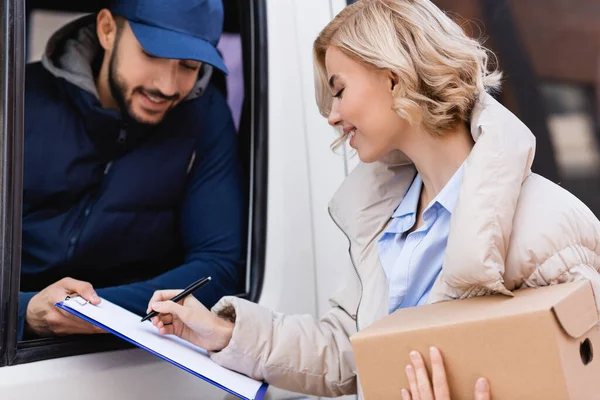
{"points": [[209, 278]]}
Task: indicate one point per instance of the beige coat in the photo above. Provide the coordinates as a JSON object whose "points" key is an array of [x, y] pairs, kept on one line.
{"points": [[510, 228]]}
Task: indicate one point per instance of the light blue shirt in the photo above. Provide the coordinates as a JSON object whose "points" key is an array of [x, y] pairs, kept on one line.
{"points": [[413, 262]]}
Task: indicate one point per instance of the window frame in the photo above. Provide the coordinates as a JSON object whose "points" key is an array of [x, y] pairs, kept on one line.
{"points": [[256, 87], [11, 170], [253, 30]]}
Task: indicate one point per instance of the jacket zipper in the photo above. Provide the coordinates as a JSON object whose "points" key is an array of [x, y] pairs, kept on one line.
{"points": [[79, 228], [122, 137], [353, 264], [87, 210]]}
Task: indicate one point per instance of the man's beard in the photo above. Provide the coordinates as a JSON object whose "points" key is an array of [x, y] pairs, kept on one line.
{"points": [[118, 89]]}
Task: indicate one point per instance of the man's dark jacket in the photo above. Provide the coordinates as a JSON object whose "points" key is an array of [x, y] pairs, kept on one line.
{"points": [[129, 210]]}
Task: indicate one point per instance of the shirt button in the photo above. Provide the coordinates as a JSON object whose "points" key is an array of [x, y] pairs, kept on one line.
{"points": [[87, 212], [73, 239]]}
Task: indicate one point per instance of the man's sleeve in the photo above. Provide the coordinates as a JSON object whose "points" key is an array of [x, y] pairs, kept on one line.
{"points": [[24, 298], [212, 218]]}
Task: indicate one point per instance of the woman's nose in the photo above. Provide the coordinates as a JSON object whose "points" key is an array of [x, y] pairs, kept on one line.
{"points": [[334, 118]]}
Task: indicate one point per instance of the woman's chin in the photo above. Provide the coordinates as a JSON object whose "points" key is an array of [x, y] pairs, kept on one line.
{"points": [[366, 157], [369, 157]]}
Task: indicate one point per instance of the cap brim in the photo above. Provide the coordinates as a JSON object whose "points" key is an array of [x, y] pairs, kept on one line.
{"points": [[164, 43]]}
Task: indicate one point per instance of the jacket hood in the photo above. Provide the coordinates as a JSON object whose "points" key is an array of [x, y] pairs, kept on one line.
{"points": [[72, 50]]}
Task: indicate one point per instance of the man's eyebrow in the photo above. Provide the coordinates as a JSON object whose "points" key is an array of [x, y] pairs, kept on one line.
{"points": [[191, 62], [332, 81]]}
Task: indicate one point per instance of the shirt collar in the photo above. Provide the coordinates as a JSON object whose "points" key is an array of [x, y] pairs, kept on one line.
{"points": [[448, 196], [410, 202]]}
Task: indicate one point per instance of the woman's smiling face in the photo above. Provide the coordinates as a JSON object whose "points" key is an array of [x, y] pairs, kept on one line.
{"points": [[362, 106]]}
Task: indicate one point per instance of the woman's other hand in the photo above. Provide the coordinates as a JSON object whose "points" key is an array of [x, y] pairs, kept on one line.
{"points": [[422, 388], [189, 320]]}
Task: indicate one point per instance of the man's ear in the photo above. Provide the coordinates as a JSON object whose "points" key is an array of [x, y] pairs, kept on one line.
{"points": [[106, 29]]}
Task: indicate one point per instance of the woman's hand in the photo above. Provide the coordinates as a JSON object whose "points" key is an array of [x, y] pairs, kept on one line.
{"points": [[189, 320], [421, 386]]}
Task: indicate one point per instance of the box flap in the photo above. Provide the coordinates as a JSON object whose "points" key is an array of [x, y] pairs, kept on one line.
{"points": [[450, 313], [577, 313]]}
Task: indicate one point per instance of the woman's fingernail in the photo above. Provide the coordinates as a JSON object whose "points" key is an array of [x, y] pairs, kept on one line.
{"points": [[414, 356], [410, 371], [482, 384], [155, 306], [405, 394]]}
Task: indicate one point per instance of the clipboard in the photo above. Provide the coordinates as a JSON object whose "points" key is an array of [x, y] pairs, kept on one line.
{"points": [[195, 360]]}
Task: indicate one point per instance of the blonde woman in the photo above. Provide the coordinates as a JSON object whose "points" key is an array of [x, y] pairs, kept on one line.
{"points": [[443, 206]]}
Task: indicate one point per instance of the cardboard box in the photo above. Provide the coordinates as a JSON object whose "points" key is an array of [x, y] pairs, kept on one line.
{"points": [[541, 344]]}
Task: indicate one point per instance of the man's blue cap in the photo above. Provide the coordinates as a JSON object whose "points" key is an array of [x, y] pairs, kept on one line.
{"points": [[177, 29]]}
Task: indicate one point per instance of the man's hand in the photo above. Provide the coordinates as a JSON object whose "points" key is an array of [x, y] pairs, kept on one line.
{"points": [[45, 319]]}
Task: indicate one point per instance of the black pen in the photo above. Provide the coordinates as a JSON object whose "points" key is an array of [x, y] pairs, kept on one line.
{"points": [[193, 287]]}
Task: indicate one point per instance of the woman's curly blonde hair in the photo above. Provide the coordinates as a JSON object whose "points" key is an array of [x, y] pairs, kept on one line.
{"points": [[440, 69]]}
